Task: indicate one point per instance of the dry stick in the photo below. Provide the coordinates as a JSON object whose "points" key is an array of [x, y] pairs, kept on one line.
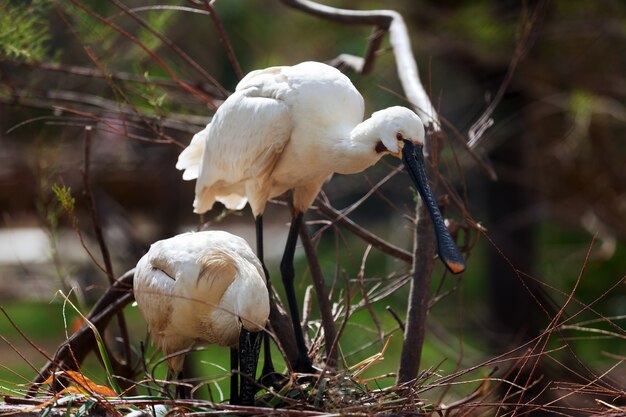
{"points": [[375, 241], [106, 257], [366, 300], [167, 41], [51, 98], [396, 317], [71, 354], [26, 338], [523, 45], [328, 322], [104, 249], [224, 39], [554, 323], [94, 73], [334, 347]]}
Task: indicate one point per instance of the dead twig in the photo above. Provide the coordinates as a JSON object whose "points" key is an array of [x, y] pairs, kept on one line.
{"points": [[104, 249], [364, 234], [170, 44], [224, 39]]}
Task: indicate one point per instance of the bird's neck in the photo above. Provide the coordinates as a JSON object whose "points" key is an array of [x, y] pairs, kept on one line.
{"points": [[358, 149]]}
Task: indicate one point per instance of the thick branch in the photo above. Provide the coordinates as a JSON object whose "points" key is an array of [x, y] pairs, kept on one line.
{"points": [[421, 276], [72, 353], [400, 43]]}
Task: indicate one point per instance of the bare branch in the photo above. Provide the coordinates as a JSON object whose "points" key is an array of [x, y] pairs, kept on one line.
{"points": [[193, 64], [485, 121], [328, 322], [224, 39], [154, 56], [398, 37], [364, 234]]}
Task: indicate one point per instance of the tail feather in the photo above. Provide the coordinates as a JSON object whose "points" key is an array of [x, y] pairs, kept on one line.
{"points": [[189, 159]]}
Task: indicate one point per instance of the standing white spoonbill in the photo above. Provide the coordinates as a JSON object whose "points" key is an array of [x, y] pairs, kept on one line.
{"points": [[205, 287], [291, 128]]}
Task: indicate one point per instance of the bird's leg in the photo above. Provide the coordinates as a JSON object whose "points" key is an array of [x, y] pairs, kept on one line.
{"points": [[258, 223], [249, 347], [180, 391], [268, 374], [303, 364], [234, 377]]}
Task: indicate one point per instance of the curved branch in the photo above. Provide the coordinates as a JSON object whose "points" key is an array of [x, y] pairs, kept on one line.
{"points": [[71, 354], [384, 20]]}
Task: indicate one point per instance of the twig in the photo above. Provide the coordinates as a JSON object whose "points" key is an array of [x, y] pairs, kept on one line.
{"points": [[114, 88], [91, 206], [98, 74], [396, 317], [104, 249], [224, 39], [51, 99], [485, 121], [333, 348], [364, 234], [366, 300], [154, 56], [323, 301], [193, 64], [28, 340]]}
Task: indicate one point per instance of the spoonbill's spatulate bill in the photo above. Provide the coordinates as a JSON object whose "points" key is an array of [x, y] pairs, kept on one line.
{"points": [[205, 287], [291, 128]]}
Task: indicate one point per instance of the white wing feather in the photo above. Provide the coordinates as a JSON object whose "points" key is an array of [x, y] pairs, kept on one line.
{"points": [[250, 130], [190, 158]]}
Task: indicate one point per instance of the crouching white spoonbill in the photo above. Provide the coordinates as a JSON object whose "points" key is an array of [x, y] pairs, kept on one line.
{"points": [[205, 287], [291, 128]]}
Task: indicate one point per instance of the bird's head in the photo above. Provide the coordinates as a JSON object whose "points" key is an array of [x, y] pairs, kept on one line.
{"points": [[395, 126], [398, 131]]}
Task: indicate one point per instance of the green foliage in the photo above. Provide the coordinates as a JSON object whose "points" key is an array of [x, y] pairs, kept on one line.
{"points": [[154, 95], [64, 197], [24, 30]]}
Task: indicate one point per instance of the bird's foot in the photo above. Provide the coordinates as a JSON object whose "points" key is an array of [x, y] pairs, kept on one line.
{"points": [[305, 366], [273, 380]]}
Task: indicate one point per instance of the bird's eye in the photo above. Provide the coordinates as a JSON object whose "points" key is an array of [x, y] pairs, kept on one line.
{"points": [[380, 148], [399, 136]]}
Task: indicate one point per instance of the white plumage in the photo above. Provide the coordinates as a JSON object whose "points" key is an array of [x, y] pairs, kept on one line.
{"points": [[200, 288], [289, 128]]}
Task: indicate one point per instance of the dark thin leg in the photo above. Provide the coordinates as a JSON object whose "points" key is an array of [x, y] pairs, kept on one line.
{"points": [[258, 223], [268, 374], [303, 363], [249, 347], [182, 392], [234, 377]]}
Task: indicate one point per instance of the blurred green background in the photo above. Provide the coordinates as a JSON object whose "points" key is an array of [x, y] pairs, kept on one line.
{"points": [[556, 146]]}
